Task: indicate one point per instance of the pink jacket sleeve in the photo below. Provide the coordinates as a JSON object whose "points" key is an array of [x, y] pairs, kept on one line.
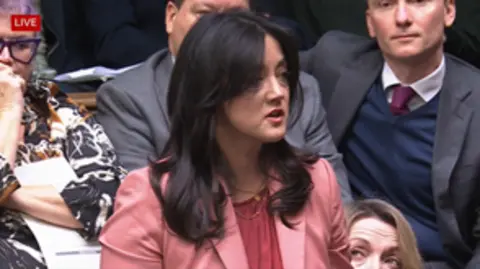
{"points": [[132, 237], [339, 245]]}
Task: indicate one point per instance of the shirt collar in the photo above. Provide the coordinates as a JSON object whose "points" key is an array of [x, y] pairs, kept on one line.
{"points": [[426, 87]]}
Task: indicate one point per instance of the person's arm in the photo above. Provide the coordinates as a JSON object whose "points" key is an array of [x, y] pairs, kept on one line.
{"points": [[86, 202], [45, 203], [125, 125], [339, 246], [9, 121], [116, 36], [8, 182], [132, 237], [318, 137]]}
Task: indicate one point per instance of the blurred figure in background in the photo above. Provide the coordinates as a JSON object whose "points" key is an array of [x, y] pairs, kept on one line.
{"points": [[110, 33]]}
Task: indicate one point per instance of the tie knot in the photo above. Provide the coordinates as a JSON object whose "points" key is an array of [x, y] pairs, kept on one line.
{"points": [[401, 96]]}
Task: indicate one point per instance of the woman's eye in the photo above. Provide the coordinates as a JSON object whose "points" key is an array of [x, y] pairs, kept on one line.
{"points": [[283, 78], [355, 254], [393, 263]]}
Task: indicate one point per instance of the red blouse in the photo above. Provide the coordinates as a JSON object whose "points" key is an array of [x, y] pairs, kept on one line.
{"points": [[259, 234]]}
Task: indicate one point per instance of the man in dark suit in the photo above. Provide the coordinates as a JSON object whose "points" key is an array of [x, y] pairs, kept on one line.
{"points": [[406, 118], [132, 107]]}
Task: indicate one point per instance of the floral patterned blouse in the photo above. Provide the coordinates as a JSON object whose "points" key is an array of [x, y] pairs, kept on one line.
{"points": [[55, 127]]}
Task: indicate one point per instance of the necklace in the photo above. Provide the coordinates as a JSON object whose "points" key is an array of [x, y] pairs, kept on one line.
{"points": [[256, 201], [256, 194], [258, 209]]}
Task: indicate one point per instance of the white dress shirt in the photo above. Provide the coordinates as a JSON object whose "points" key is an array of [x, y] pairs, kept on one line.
{"points": [[426, 88]]}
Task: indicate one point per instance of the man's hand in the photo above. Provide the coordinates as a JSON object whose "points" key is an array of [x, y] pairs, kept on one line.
{"points": [[12, 87]]}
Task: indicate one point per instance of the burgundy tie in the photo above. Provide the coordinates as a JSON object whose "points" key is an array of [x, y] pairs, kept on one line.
{"points": [[401, 96]]}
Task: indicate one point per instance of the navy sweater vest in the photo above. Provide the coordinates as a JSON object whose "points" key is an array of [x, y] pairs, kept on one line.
{"points": [[390, 157]]}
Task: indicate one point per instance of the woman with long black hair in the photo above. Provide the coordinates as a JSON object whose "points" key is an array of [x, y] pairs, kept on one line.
{"points": [[229, 191]]}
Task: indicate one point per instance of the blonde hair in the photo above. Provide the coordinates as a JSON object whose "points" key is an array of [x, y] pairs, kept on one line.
{"points": [[374, 208]]}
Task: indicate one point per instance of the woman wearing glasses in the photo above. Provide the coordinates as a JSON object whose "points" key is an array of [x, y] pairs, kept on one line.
{"points": [[38, 122]]}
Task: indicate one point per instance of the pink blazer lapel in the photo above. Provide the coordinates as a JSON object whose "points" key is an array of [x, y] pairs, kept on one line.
{"points": [[230, 249], [291, 241]]}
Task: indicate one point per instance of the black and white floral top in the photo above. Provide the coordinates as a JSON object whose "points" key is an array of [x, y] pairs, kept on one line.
{"points": [[55, 127]]}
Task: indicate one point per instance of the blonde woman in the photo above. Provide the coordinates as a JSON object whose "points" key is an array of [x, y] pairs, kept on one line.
{"points": [[380, 237]]}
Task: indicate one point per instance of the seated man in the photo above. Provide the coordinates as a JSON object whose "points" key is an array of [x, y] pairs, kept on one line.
{"points": [[132, 107], [405, 115]]}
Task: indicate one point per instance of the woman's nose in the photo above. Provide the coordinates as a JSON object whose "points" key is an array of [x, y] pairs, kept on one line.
{"points": [[5, 57]]}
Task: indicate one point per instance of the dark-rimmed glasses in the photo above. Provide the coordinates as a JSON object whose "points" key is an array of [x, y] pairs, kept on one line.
{"points": [[21, 50]]}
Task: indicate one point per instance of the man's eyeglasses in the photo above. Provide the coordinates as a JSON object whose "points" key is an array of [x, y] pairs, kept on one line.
{"points": [[21, 50]]}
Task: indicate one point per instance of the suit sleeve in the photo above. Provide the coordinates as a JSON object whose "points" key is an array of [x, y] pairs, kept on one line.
{"points": [[132, 238], [318, 135], [125, 125], [117, 39], [305, 58]]}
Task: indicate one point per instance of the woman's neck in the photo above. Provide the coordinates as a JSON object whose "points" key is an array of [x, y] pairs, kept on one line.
{"points": [[244, 176]]}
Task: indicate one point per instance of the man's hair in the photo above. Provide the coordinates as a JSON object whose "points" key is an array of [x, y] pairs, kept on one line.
{"points": [[178, 3]]}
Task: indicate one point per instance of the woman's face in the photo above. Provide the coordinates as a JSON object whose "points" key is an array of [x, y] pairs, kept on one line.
{"points": [[262, 112], [373, 245], [22, 50]]}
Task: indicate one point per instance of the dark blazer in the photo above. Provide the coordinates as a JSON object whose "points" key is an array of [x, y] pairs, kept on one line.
{"points": [[347, 65], [112, 33], [67, 42], [132, 109]]}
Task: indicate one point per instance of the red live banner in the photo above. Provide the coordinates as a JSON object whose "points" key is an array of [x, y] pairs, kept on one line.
{"points": [[26, 23]]}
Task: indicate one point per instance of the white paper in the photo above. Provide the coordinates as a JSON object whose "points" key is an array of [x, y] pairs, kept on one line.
{"points": [[92, 74], [62, 248]]}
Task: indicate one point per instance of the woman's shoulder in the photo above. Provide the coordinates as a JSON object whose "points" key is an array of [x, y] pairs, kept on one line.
{"points": [[321, 171], [324, 179], [136, 189], [136, 204], [136, 228]]}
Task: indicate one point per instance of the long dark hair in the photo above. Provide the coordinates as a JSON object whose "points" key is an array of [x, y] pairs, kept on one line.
{"points": [[221, 58]]}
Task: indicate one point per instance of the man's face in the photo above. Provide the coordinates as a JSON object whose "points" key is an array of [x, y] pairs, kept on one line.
{"points": [[179, 20], [409, 29]]}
